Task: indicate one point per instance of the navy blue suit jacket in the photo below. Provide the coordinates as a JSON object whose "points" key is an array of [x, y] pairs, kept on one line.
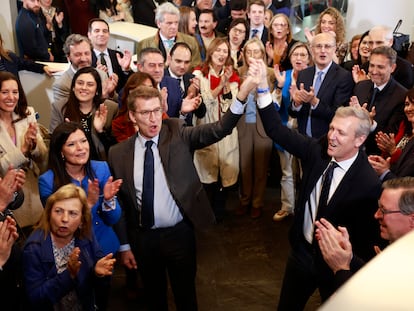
{"points": [[17, 63], [335, 91], [116, 68], [174, 95]]}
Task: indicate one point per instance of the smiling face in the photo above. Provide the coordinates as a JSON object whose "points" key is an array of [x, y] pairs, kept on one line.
{"points": [[409, 110], [9, 96], [300, 58], [394, 225], [364, 48], [76, 149], [342, 141], [328, 23], [65, 219], [80, 55], [380, 69], [85, 88], [99, 35]]}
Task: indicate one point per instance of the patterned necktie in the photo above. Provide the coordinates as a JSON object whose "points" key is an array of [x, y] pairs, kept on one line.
{"points": [[254, 32], [372, 102], [102, 59], [326, 186], [181, 89], [147, 202], [169, 43]]}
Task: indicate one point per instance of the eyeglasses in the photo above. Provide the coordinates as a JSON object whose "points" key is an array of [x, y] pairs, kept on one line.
{"points": [[385, 211], [238, 31], [157, 112], [323, 46], [279, 25], [376, 43], [301, 55]]}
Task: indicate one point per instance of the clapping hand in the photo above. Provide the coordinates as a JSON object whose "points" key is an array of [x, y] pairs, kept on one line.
{"points": [[73, 263], [99, 120], [111, 188], [105, 265], [93, 192]]}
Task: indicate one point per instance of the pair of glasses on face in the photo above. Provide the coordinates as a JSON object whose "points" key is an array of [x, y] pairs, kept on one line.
{"points": [[157, 112], [384, 211]]}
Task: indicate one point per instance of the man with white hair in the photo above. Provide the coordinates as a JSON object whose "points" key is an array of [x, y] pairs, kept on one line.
{"points": [[166, 18]]}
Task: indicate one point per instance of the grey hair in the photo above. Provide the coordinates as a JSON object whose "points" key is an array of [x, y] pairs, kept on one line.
{"points": [[166, 8], [74, 39], [406, 200], [382, 28], [144, 52], [364, 124]]}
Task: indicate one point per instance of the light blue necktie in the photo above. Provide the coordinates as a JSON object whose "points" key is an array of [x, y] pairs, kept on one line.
{"points": [[316, 88], [169, 43]]}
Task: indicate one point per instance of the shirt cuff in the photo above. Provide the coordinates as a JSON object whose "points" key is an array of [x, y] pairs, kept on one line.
{"points": [[264, 101], [384, 174], [237, 107], [294, 107], [124, 248]]}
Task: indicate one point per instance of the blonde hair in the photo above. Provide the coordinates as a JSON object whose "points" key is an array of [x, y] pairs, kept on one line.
{"points": [[339, 20]]}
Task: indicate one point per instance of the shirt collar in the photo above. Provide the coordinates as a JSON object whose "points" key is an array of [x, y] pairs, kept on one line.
{"points": [[346, 164], [142, 140]]}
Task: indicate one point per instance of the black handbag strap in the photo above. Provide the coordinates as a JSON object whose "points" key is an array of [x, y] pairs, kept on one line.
{"points": [[397, 26]]}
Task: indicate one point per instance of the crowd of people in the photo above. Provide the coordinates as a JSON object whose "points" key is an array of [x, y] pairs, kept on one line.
{"points": [[134, 162]]}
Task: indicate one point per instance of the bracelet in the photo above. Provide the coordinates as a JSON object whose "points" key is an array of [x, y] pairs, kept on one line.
{"points": [[263, 91]]}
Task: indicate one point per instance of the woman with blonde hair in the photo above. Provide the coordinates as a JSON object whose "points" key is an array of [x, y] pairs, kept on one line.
{"points": [[280, 42], [218, 164], [254, 145], [62, 262]]}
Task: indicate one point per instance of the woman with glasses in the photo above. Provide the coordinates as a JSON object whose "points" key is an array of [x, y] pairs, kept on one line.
{"points": [[237, 34], [86, 106], [300, 58], [218, 164], [254, 145], [280, 42]]}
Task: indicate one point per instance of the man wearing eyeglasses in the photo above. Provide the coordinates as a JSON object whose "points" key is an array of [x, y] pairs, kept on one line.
{"points": [[320, 89], [395, 216], [157, 231]]}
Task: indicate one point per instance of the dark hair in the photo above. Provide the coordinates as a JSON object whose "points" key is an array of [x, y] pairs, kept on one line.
{"points": [[408, 126], [144, 52], [386, 51], [21, 107], [93, 20], [246, 24], [144, 92], [365, 34], [56, 161], [134, 80], [238, 5], [406, 200], [180, 44], [209, 11], [257, 2], [71, 108]]}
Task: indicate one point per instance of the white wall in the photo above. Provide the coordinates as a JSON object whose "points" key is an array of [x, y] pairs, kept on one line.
{"points": [[363, 14], [8, 14]]}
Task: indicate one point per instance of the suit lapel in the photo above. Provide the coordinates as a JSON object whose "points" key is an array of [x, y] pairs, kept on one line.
{"points": [[163, 148], [330, 76]]}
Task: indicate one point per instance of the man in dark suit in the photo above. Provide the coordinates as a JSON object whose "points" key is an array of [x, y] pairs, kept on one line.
{"points": [[167, 242], [383, 92], [256, 15], [152, 62], [320, 89], [144, 11], [179, 65], [350, 200], [108, 60]]}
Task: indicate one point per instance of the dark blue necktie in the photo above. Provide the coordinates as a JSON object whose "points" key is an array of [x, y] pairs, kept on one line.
{"points": [[182, 93], [147, 202], [372, 102], [255, 32], [326, 186]]}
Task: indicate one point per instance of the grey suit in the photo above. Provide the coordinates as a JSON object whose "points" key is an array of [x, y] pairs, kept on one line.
{"points": [[176, 145]]}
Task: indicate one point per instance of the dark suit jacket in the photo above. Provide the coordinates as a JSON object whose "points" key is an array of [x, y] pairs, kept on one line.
{"points": [[116, 68], [16, 64], [176, 141], [403, 73], [144, 11], [200, 112], [335, 91], [355, 200], [174, 95], [405, 163], [389, 107]]}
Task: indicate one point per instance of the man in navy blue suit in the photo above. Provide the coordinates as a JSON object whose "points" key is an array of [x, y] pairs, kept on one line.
{"points": [[315, 102], [151, 61], [256, 15], [179, 65]]}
